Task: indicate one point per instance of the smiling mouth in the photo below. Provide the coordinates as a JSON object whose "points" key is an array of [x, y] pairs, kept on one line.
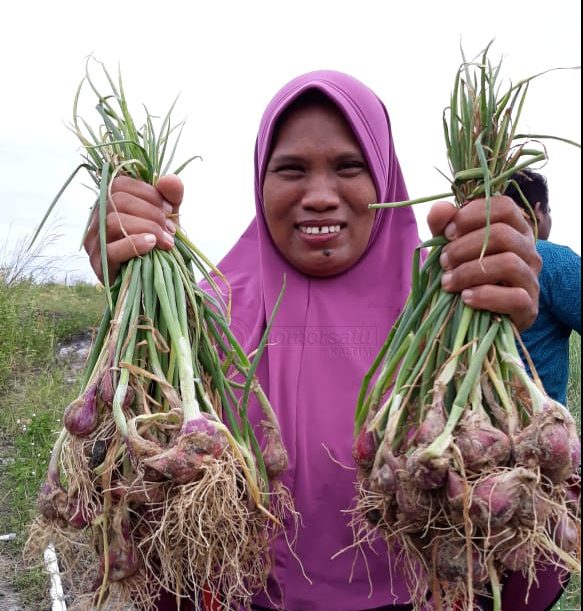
{"points": [[320, 230]]}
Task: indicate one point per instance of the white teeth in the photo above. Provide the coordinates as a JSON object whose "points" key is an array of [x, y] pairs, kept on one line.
{"points": [[319, 230]]}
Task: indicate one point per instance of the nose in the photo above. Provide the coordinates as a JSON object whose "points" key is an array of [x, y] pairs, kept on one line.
{"points": [[321, 193]]}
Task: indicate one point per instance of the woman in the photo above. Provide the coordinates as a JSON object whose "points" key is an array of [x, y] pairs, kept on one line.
{"points": [[324, 152]]}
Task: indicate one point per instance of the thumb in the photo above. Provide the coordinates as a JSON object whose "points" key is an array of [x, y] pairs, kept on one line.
{"points": [[171, 189], [440, 215]]}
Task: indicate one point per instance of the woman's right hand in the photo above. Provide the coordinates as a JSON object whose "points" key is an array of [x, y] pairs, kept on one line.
{"points": [[139, 217]]}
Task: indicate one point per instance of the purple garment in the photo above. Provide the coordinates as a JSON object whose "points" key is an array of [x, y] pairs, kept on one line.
{"points": [[325, 336], [543, 595]]}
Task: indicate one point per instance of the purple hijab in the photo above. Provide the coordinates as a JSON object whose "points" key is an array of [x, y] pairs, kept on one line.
{"points": [[325, 336]]}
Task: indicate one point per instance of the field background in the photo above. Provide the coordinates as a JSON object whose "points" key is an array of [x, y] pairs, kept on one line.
{"points": [[36, 385]]}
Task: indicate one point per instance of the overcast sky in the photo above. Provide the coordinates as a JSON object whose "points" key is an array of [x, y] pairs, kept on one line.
{"points": [[226, 59]]}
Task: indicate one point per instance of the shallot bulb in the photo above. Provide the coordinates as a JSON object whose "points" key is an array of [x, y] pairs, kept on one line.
{"points": [[274, 455], [432, 425], [482, 445], [428, 472], [52, 501], [551, 442], [496, 498], [82, 415], [383, 477], [199, 441], [107, 390], [364, 448]]}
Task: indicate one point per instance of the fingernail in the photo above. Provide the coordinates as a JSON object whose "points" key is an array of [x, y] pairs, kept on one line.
{"points": [[446, 280], [168, 209], [168, 239], [444, 260], [467, 295], [171, 227], [150, 239], [449, 232]]}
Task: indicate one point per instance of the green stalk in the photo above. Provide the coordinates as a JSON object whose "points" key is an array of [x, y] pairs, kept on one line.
{"points": [[411, 357], [255, 363], [92, 365], [434, 324], [132, 306], [103, 191], [449, 370], [181, 304], [509, 355], [487, 191], [149, 298], [190, 407], [408, 388], [361, 404], [415, 277], [440, 444], [430, 367], [411, 320], [211, 364], [504, 398], [411, 202], [244, 362], [383, 383], [55, 459], [122, 316], [198, 258]]}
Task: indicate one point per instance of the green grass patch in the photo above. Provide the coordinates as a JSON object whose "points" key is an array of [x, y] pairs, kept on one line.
{"points": [[32, 421], [36, 317], [571, 600], [35, 388]]}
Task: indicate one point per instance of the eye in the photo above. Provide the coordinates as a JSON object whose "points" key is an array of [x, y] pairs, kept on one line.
{"points": [[351, 167], [290, 170]]}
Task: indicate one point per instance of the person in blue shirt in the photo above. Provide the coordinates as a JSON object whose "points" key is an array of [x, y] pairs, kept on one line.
{"points": [[547, 340]]}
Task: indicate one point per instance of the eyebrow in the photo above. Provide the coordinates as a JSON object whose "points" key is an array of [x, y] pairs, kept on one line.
{"points": [[290, 158], [285, 158]]}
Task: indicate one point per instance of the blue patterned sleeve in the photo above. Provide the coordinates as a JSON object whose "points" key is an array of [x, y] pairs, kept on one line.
{"points": [[561, 283]]}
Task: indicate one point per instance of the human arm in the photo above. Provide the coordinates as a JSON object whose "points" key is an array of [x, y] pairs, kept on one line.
{"points": [[505, 279], [560, 282], [139, 217]]}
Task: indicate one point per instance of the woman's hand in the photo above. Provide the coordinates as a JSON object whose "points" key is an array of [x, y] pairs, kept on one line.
{"points": [[505, 280], [139, 217]]}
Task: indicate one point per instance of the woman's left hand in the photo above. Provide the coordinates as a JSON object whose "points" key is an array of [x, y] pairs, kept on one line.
{"points": [[505, 279]]}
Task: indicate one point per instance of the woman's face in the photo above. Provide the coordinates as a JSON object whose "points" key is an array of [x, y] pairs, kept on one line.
{"points": [[316, 192]]}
